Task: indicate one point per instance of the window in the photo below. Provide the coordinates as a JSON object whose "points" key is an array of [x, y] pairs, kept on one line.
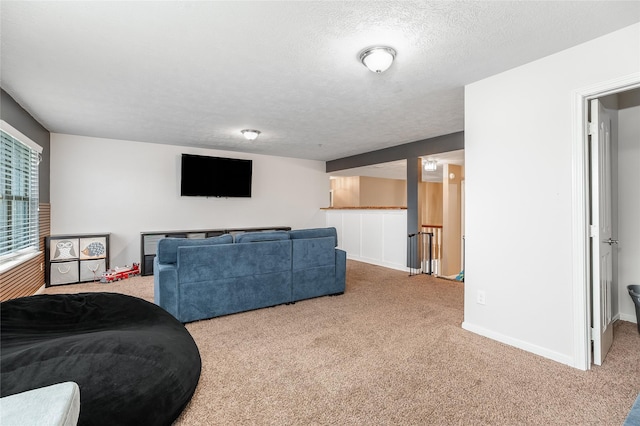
{"points": [[19, 158]]}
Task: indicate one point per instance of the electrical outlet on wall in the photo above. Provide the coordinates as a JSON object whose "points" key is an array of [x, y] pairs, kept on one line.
{"points": [[481, 298]]}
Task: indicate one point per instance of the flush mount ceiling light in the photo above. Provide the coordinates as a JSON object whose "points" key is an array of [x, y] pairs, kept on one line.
{"points": [[430, 166], [378, 59], [250, 134]]}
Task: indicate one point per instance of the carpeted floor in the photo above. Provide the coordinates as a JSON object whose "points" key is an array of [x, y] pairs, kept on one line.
{"points": [[390, 351]]}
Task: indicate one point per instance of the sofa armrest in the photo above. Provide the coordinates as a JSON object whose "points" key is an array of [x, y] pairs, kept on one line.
{"points": [[165, 287], [341, 269]]}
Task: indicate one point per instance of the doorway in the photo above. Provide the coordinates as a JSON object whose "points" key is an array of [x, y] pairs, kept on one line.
{"points": [[622, 99]]}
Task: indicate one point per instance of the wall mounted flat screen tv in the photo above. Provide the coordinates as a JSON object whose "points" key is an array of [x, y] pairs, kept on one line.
{"points": [[203, 176]]}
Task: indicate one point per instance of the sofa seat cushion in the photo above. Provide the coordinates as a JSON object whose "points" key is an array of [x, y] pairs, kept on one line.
{"points": [[168, 247], [133, 362]]}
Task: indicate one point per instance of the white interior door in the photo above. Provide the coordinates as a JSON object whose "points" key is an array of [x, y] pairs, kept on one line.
{"points": [[601, 250]]}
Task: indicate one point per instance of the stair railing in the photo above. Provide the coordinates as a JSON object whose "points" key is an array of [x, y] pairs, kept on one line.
{"points": [[420, 248]]}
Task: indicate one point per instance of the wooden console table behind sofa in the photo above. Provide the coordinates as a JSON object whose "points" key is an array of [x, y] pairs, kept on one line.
{"points": [[149, 241]]}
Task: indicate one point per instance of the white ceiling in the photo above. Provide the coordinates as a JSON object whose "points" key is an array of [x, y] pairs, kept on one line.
{"points": [[196, 73]]}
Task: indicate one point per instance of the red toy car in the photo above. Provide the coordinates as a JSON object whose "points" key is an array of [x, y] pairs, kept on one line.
{"points": [[120, 273]]}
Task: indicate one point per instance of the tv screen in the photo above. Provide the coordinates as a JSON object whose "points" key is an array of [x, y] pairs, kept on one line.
{"points": [[203, 176]]}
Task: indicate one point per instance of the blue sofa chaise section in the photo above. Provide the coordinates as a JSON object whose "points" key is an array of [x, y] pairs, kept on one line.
{"points": [[197, 279]]}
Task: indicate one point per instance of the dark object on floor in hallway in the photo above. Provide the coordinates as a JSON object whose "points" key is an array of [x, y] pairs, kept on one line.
{"points": [[634, 292]]}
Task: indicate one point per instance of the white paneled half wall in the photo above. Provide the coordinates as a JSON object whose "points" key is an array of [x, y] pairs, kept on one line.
{"points": [[372, 236]]}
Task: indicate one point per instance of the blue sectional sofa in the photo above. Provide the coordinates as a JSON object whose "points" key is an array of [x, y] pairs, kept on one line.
{"points": [[196, 279]]}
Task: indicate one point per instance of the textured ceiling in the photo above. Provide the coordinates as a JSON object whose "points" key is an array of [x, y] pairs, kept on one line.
{"points": [[196, 73]]}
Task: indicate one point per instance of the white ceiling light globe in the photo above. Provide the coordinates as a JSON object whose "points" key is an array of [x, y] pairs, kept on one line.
{"points": [[377, 59], [250, 134], [431, 166]]}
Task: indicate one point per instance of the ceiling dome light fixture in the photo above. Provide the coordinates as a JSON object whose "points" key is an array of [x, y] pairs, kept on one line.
{"points": [[250, 134], [430, 166], [378, 59]]}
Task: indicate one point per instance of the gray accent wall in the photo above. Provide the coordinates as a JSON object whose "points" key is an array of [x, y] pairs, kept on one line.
{"points": [[444, 143], [18, 117], [413, 177]]}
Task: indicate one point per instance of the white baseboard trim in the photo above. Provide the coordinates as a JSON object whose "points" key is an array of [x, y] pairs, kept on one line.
{"points": [[627, 317], [378, 263], [520, 344]]}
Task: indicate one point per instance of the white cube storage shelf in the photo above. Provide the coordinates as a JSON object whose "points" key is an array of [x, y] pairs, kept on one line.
{"points": [[74, 259]]}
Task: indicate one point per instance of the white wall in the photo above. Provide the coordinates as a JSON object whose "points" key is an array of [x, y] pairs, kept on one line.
{"points": [[518, 137], [126, 187], [628, 208], [373, 236]]}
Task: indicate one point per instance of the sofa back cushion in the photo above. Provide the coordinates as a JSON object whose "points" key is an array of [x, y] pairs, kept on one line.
{"points": [[211, 263], [315, 233], [313, 252], [168, 247], [313, 267], [253, 237]]}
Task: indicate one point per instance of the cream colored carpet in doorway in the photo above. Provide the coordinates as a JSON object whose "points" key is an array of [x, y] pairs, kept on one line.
{"points": [[390, 351]]}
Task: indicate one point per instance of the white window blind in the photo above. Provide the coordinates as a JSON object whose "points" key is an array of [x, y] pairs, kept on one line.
{"points": [[18, 195]]}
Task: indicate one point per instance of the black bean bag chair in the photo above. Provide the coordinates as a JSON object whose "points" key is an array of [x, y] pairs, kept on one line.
{"points": [[134, 362]]}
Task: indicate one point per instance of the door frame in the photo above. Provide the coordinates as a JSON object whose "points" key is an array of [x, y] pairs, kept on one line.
{"points": [[580, 206]]}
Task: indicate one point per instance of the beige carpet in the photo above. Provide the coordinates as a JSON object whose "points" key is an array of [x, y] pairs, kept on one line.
{"points": [[390, 351]]}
